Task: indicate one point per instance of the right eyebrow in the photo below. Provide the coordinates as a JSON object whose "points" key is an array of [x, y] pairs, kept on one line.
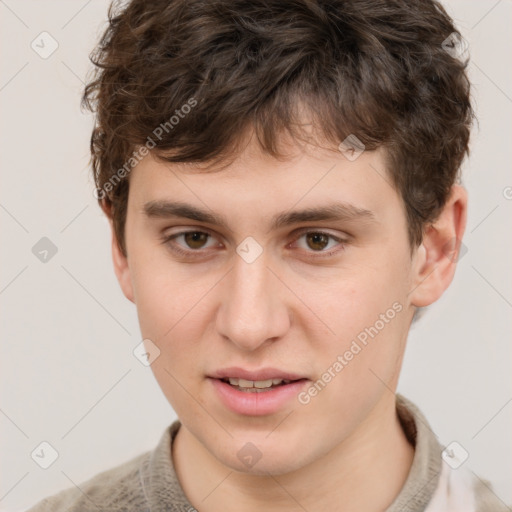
{"points": [[164, 209]]}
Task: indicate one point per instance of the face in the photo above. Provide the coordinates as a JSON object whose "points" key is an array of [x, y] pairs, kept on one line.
{"points": [[298, 270]]}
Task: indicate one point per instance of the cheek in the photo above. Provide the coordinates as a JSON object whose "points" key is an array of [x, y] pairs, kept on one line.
{"points": [[171, 315], [165, 296], [173, 324], [367, 320], [356, 369]]}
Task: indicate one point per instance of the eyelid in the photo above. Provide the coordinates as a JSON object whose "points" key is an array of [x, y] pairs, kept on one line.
{"points": [[345, 237], [166, 238], [296, 235], [341, 240]]}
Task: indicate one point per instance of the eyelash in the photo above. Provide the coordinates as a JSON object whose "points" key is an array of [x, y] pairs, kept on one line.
{"points": [[167, 240]]}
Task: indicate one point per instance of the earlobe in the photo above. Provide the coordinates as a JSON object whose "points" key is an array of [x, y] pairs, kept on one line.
{"points": [[436, 258], [120, 262]]}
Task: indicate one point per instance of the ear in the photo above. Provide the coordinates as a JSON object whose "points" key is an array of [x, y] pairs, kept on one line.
{"points": [[120, 261], [436, 258]]}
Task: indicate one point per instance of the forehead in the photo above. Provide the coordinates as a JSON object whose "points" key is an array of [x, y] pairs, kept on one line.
{"points": [[313, 185]]}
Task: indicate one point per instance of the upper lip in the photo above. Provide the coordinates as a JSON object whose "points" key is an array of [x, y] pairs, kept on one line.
{"points": [[254, 375]]}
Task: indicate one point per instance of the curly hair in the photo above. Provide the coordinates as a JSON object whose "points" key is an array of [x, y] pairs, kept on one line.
{"points": [[185, 78]]}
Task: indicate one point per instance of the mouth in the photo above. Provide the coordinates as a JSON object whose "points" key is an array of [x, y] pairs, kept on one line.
{"points": [[256, 392], [256, 386]]}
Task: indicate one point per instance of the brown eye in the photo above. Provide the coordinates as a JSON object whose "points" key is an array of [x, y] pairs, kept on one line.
{"points": [[320, 244], [195, 239], [317, 241], [190, 243]]}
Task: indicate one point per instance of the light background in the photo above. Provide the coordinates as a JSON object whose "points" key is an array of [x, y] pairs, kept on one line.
{"points": [[68, 374]]}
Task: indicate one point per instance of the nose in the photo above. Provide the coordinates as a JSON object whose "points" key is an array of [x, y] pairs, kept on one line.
{"points": [[253, 309]]}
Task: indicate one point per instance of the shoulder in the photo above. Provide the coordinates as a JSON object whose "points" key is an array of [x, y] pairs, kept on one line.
{"points": [[440, 480], [486, 499], [461, 490], [119, 488]]}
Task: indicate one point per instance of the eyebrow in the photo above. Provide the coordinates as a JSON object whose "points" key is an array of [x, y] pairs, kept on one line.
{"points": [[329, 212]]}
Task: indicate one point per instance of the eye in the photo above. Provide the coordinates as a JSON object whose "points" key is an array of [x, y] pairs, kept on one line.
{"points": [[323, 243], [193, 241]]}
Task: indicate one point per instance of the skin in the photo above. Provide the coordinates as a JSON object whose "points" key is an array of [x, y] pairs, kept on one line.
{"points": [[291, 309]]}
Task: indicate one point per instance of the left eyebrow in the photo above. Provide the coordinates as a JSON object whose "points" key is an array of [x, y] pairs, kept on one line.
{"points": [[330, 212]]}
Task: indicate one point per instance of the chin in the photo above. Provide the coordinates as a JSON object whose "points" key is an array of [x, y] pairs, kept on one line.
{"points": [[274, 467], [262, 459]]}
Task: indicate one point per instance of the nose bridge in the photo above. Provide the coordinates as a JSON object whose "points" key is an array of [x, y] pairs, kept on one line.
{"points": [[251, 311]]}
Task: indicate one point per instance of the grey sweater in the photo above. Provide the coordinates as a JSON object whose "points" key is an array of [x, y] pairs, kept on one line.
{"points": [[148, 482]]}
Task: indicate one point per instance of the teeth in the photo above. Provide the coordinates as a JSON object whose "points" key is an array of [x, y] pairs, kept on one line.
{"points": [[245, 383], [263, 383], [260, 384]]}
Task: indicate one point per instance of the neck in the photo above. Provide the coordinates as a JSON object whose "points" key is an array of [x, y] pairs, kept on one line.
{"points": [[364, 472]]}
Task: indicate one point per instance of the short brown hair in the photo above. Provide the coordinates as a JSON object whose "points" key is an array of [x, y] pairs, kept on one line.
{"points": [[377, 69]]}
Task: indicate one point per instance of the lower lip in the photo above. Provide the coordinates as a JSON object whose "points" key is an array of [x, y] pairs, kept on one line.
{"points": [[257, 403]]}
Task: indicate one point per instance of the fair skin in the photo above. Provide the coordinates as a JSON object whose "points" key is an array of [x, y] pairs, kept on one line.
{"points": [[294, 308]]}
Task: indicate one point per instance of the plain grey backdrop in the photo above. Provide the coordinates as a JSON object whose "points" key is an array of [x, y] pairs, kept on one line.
{"points": [[68, 374]]}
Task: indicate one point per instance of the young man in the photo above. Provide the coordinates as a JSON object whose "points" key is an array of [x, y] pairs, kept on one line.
{"points": [[281, 182]]}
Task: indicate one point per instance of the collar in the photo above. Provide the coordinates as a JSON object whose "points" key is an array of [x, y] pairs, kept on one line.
{"points": [[164, 493], [423, 477]]}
